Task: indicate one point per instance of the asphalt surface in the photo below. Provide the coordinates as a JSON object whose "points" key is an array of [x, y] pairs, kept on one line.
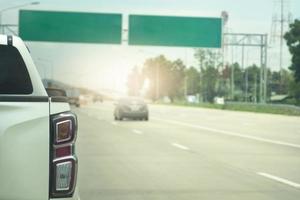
{"points": [[188, 154]]}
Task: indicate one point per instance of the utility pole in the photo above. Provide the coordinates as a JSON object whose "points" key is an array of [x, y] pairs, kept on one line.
{"points": [[281, 38], [263, 69], [261, 80], [255, 88], [282, 18], [225, 18], [244, 68], [265, 66], [246, 85], [232, 75]]}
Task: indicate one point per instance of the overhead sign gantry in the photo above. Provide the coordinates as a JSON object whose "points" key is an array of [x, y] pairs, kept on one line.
{"points": [[149, 30]]}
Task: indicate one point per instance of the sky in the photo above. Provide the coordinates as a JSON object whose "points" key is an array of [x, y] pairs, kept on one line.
{"points": [[99, 66]]}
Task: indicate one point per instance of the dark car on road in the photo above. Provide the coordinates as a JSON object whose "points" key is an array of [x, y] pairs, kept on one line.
{"points": [[132, 108]]}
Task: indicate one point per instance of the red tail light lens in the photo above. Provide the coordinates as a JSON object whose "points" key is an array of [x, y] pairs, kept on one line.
{"points": [[63, 169], [63, 151]]}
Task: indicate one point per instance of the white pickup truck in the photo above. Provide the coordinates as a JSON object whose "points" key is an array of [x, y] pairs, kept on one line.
{"points": [[37, 132]]}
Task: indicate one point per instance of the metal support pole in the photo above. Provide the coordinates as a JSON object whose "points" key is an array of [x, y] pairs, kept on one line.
{"points": [[243, 65], [232, 75], [266, 67], [255, 88], [261, 99], [246, 85], [281, 41]]}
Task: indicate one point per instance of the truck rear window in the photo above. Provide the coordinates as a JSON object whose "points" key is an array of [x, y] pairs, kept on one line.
{"points": [[14, 77]]}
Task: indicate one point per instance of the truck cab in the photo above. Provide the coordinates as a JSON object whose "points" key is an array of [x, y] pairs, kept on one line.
{"points": [[37, 132]]}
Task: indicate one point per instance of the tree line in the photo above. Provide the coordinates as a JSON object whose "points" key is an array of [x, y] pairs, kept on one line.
{"points": [[160, 77]]}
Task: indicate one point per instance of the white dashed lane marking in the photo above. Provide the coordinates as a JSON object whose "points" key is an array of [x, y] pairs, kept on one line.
{"points": [[180, 146], [137, 131], [280, 180]]}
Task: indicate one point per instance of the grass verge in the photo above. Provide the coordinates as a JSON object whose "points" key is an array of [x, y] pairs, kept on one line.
{"points": [[246, 107]]}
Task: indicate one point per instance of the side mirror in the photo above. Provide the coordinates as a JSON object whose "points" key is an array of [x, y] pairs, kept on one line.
{"points": [[53, 92]]}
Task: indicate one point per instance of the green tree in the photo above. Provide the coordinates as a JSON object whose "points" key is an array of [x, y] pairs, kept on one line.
{"points": [[155, 70], [200, 55], [224, 84], [135, 82], [192, 76], [253, 83], [211, 83], [238, 77], [279, 81], [176, 79], [294, 91], [292, 38], [165, 77]]}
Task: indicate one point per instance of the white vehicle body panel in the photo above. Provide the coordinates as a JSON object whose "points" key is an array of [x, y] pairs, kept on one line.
{"points": [[24, 137], [24, 150], [58, 107]]}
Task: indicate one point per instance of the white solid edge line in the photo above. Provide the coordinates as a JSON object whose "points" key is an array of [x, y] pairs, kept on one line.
{"points": [[278, 179], [180, 146], [229, 133], [137, 131]]}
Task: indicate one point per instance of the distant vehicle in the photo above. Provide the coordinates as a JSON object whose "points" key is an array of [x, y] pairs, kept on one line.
{"points": [[97, 98], [74, 101], [85, 99], [73, 97], [131, 107]]}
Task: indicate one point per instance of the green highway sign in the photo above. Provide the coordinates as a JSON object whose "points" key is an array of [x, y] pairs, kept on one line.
{"points": [[175, 31], [75, 27]]}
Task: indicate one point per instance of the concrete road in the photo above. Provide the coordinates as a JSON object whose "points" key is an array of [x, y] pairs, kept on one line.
{"points": [[188, 154]]}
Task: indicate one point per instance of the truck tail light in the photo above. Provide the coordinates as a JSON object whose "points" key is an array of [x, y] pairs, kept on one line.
{"points": [[65, 126], [64, 172], [63, 161], [63, 151]]}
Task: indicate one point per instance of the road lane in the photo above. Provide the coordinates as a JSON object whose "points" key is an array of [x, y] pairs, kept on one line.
{"points": [[275, 127], [230, 133], [148, 166]]}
